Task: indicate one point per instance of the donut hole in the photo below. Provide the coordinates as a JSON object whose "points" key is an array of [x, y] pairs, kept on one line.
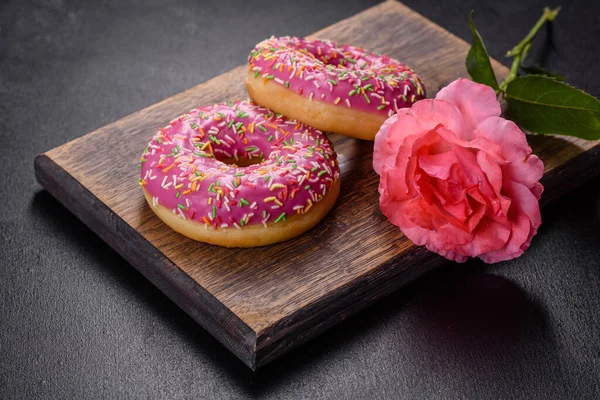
{"points": [[351, 60], [241, 161], [242, 154]]}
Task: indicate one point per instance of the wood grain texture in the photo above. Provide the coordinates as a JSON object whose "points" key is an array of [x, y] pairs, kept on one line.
{"points": [[262, 302]]}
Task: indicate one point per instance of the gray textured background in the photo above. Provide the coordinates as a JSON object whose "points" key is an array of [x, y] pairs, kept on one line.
{"points": [[77, 321]]}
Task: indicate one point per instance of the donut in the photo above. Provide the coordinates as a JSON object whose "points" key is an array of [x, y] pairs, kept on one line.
{"points": [[334, 88], [239, 175]]}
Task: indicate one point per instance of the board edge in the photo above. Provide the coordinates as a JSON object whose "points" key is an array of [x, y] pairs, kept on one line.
{"points": [[178, 286], [276, 340], [583, 168]]}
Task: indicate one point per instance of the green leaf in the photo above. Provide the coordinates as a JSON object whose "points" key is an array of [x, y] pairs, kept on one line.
{"points": [[537, 70], [478, 60], [545, 105]]}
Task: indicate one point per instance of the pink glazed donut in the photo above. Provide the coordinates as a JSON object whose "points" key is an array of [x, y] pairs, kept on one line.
{"points": [[238, 175], [337, 88]]}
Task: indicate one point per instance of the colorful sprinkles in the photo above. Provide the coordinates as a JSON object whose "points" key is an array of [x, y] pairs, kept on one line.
{"points": [[325, 71], [190, 166]]}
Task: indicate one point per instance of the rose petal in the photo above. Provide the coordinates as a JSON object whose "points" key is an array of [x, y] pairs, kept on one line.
{"points": [[450, 237], [438, 165], [493, 173], [479, 143], [521, 228], [524, 167], [406, 161], [476, 215], [392, 185], [420, 237], [382, 149], [451, 189], [537, 190], [430, 113], [471, 172], [489, 235], [460, 210], [397, 215], [444, 240], [523, 198], [421, 118], [475, 101], [420, 213], [416, 234]]}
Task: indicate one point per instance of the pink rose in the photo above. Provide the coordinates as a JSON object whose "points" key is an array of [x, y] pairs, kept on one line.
{"points": [[458, 178]]}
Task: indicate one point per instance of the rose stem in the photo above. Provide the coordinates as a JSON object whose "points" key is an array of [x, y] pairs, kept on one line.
{"points": [[520, 51]]}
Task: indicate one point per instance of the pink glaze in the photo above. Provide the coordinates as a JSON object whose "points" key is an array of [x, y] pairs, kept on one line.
{"points": [[340, 74], [181, 167]]}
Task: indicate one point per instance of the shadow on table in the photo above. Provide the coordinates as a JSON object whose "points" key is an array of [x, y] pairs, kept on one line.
{"points": [[456, 311], [460, 310], [48, 208]]}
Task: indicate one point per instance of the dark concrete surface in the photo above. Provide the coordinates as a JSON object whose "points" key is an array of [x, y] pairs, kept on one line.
{"points": [[77, 321]]}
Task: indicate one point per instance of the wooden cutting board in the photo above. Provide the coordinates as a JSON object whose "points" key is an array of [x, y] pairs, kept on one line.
{"points": [[262, 302]]}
